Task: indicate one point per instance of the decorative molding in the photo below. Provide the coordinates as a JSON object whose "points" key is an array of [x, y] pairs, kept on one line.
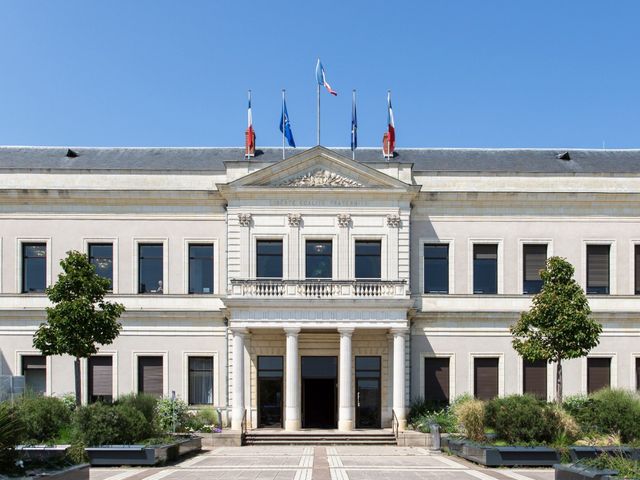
{"points": [[393, 220], [344, 219], [321, 179], [294, 219], [244, 219]]}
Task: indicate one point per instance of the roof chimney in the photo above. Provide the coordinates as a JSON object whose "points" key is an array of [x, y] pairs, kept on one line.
{"points": [[70, 153], [387, 147], [563, 156]]}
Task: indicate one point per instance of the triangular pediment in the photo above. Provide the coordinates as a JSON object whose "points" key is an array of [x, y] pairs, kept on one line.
{"points": [[316, 169]]}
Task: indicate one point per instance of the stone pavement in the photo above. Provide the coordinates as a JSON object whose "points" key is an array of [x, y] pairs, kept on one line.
{"points": [[320, 463]]}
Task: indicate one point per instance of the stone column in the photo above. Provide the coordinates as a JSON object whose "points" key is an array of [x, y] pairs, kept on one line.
{"points": [[237, 411], [345, 412], [399, 400], [292, 381]]}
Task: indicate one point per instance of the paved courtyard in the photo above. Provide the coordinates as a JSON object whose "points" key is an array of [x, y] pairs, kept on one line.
{"points": [[320, 463]]}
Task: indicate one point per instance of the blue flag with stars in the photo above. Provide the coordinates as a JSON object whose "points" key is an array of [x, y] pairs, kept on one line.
{"points": [[285, 126]]}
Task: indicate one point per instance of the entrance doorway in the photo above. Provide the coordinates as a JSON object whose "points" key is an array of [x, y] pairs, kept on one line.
{"points": [[319, 392], [270, 391], [368, 399]]}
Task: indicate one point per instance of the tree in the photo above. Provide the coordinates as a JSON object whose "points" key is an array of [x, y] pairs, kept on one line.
{"points": [[79, 320], [558, 325]]}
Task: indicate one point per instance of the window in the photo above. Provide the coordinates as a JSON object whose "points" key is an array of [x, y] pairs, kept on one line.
{"points": [[368, 259], [200, 380], [150, 375], [598, 269], [318, 258], [150, 268], [485, 379], [598, 374], [436, 268], [436, 381], [101, 257], [269, 259], [34, 369], [485, 269], [637, 269], [101, 378], [200, 268], [34, 267], [534, 258], [638, 373], [534, 378]]}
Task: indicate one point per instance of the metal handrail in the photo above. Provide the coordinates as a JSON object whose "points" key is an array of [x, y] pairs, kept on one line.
{"points": [[243, 424], [395, 424]]}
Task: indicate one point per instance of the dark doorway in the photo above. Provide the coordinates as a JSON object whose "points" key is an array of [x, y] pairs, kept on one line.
{"points": [[368, 402], [319, 389], [270, 391]]}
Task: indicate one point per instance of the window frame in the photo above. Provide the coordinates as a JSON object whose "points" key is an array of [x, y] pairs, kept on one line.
{"points": [[88, 250], [185, 373], [423, 245], [135, 354], [499, 264], [19, 262], [86, 241], [613, 365], [612, 264], [17, 367], [312, 238], [187, 272], [84, 374], [472, 371], [383, 258], [304, 237], [452, 371], [634, 287], [520, 266], [136, 264], [255, 253]]}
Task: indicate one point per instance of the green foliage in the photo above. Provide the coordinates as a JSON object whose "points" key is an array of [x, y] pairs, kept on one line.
{"points": [[172, 415], [470, 417], [608, 412], [69, 400], [204, 420], [144, 403], [521, 419], [102, 424], [76, 453], [43, 417], [558, 325], [11, 433], [626, 467]]}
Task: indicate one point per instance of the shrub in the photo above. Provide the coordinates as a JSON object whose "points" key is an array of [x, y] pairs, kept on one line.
{"points": [[205, 420], [626, 467], [11, 433], [521, 419], [172, 415], [470, 417], [615, 411], [144, 403], [420, 408], [444, 418], [567, 428], [43, 417], [101, 424]]}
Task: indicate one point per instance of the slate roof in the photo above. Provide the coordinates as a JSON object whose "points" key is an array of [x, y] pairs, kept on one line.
{"points": [[435, 160]]}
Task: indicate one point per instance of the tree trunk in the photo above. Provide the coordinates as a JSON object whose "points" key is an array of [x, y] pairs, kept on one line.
{"points": [[558, 381], [76, 369]]}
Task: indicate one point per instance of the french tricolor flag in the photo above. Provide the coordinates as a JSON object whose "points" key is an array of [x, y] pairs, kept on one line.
{"points": [[391, 124], [322, 80]]}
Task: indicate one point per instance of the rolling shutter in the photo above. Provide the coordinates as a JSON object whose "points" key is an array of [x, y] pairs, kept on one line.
{"points": [[637, 269], [535, 259], [100, 376], [638, 373], [598, 374], [436, 380], [598, 269], [485, 378], [150, 375], [34, 369], [534, 377]]}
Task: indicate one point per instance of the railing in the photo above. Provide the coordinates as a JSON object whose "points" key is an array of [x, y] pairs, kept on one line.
{"points": [[318, 288], [395, 424], [243, 424]]}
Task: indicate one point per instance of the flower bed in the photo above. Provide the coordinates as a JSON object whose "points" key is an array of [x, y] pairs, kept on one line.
{"points": [[583, 472]]}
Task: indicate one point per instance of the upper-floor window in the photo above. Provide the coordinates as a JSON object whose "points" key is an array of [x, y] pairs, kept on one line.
{"points": [[534, 258], [318, 258], [101, 257], [436, 268], [34, 267], [485, 268], [598, 269], [150, 268], [269, 259], [368, 259], [200, 380], [200, 268], [637, 269]]}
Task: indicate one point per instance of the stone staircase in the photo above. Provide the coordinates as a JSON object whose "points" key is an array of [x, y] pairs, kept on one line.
{"points": [[319, 437]]}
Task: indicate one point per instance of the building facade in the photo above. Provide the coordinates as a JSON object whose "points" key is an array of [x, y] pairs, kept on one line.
{"points": [[319, 291]]}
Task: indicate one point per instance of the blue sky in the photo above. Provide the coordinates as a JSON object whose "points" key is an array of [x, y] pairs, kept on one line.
{"points": [[463, 73]]}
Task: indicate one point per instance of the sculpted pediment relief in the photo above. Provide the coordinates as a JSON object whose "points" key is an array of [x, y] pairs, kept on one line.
{"points": [[321, 178]]}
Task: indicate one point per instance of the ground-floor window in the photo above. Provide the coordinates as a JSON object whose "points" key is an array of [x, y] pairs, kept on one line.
{"points": [[534, 378], [200, 380], [101, 378], [436, 381], [34, 369], [598, 373], [150, 375], [638, 373], [485, 377]]}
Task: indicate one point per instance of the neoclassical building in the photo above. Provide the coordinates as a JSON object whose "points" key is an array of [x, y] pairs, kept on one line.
{"points": [[319, 291]]}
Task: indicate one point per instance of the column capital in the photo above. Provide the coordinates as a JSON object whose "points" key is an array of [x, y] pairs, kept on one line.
{"points": [[399, 330], [240, 331], [244, 219], [291, 330], [346, 331]]}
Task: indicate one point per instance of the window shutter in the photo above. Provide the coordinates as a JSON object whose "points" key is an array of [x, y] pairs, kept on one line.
{"points": [[486, 378], [638, 373], [150, 375], [436, 380], [101, 376], [598, 267], [535, 378], [485, 252], [535, 259], [637, 269], [598, 374], [34, 362]]}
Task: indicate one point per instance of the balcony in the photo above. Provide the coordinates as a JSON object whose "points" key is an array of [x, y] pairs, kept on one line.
{"points": [[318, 288]]}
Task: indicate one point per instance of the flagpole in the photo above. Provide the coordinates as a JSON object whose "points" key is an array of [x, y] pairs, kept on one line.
{"points": [[318, 119], [353, 106], [283, 123]]}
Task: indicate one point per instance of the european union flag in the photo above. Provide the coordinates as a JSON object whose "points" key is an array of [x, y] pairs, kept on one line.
{"points": [[285, 126]]}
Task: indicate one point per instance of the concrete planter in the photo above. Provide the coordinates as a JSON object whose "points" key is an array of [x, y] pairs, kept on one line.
{"points": [[582, 453], [141, 455], [580, 472], [491, 456], [226, 438], [410, 438], [76, 472], [42, 452]]}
